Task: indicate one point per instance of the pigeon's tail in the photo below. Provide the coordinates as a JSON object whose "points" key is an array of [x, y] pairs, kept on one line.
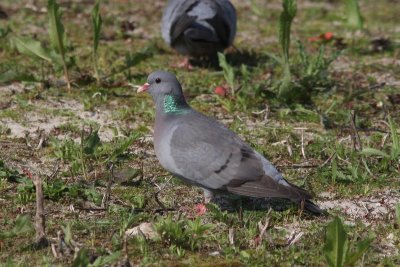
{"points": [[304, 197], [312, 208]]}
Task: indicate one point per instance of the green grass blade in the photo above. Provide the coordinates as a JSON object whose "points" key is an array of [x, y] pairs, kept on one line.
{"points": [[354, 18], [397, 210], [91, 142], [285, 23], [14, 75], [229, 74], [335, 248], [395, 138], [362, 246], [97, 22], [34, 48], [22, 225], [58, 38], [82, 258], [368, 151], [56, 28], [106, 260]]}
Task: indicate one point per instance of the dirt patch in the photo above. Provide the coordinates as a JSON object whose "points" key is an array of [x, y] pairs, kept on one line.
{"points": [[370, 210], [49, 116]]}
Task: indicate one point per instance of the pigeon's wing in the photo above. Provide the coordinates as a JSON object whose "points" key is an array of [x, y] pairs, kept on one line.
{"points": [[206, 153], [180, 25], [175, 18], [224, 22], [219, 17]]}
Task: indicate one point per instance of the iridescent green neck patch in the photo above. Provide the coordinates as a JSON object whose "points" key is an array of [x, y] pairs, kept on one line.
{"points": [[171, 105]]}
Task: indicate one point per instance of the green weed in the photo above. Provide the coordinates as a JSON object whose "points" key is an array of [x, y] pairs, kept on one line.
{"points": [[354, 18], [285, 23], [22, 226], [393, 153], [96, 24], [58, 38], [228, 72], [181, 233], [336, 247]]}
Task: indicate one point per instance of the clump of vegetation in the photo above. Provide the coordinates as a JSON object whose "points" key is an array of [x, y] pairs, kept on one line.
{"points": [[182, 234], [336, 247], [21, 226], [311, 75], [392, 155], [56, 54]]}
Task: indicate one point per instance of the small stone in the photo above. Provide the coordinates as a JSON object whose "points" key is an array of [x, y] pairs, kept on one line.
{"points": [[146, 229]]}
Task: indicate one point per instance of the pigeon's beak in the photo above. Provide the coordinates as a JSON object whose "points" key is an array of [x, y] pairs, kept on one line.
{"points": [[143, 88]]}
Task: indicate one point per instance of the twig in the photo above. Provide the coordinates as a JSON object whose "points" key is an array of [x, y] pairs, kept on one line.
{"points": [[289, 147], [302, 206], [375, 86], [329, 159], [158, 201], [125, 249], [266, 111], [344, 160], [90, 209], [355, 137], [294, 238], [107, 194], [372, 130], [83, 157], [262, 228], [40, 222], [54, 250], [55, 171], [384, 140], [231, 236], [296, 166], [303, 152], [40, 142]]}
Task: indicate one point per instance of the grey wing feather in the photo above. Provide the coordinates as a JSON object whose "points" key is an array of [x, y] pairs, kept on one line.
{"points": [[180, 14], [229, 17], [209, 155], [173, 11]]}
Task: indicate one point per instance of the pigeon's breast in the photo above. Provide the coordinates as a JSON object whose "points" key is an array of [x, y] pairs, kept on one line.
{"points": [[162, 146]]}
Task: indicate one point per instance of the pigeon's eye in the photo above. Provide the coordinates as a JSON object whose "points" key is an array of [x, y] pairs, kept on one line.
{"points": [[158, 80]]}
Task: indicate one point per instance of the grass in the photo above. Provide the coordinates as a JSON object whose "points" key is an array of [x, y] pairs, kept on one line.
{"points": [[79, 139]]}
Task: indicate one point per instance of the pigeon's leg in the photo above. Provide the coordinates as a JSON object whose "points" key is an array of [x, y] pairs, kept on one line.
{"points": [[185, 64], [208, 195]]}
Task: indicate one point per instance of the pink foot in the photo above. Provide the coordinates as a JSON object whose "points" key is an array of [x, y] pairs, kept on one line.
{"points": [[185, 64], [200, 209]]}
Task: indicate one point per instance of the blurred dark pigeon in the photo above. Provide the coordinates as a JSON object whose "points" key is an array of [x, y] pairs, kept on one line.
{"points": [[199, 28], [203, 152]]}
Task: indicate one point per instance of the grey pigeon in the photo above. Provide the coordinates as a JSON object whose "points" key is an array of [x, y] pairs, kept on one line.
{"points": [[203, 152], [199, 27]]}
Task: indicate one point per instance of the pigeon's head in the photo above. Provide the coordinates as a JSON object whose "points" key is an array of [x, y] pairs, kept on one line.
{"points": [[162, 83]]}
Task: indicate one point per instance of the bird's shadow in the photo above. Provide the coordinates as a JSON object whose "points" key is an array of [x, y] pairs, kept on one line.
{"points": [[236, 203], [246, 57], [235, 58]]}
